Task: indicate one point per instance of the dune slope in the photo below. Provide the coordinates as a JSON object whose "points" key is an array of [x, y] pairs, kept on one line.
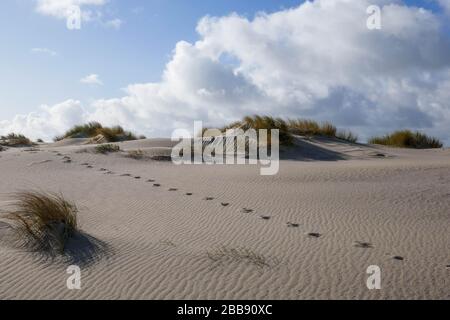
{"points": [[313, 229]]}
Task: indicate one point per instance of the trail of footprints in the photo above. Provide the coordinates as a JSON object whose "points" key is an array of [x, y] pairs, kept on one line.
{"points": [[312, 235]]}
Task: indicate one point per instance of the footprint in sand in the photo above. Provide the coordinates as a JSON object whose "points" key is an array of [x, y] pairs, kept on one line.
{"points": [[173, 189], [293, 225], [314, 235], [225, 204], [209, 198], [364, 245], [398, 258], [245, 210]]}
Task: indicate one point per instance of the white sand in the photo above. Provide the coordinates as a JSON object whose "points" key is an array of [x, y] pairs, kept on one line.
{"points": [[400, 204]]}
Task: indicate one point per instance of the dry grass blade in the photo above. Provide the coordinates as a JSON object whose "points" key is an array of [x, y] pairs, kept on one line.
{"points": [[93, 129], [239, 254], [47, 224], [136, 154], [15, 140], [407, 139], [107, 148], [43, 221]]}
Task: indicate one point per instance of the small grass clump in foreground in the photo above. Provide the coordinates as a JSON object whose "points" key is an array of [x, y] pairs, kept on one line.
{"points": [[107, 148], [43, 221], [239, 254], [15, 140], [94, 129], [408, 139]]}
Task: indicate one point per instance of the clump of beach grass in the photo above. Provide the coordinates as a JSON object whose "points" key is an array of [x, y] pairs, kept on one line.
{"points": [[135, 154], [47, 224], [288, 128], [407, 139], [15, 140], [107, 148], [257, 123], [347, 136], [311, 128], [43, 221], [94, 129], [239, 254]]}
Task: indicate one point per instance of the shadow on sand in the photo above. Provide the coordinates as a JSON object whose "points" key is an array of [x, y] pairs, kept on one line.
{"points": [[308, 151], [81, 249]]}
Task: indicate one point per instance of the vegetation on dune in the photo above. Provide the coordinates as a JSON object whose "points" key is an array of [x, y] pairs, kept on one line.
{"points": [[347, 136], [312, 128], [257, 123], [94, 129], [408, 139], [107, 148], [288, 128], [135, 154], [266, 122], [43, 221], [15, 140]]}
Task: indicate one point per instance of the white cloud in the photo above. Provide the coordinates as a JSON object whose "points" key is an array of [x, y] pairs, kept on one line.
{"points": [[90, 11], [48, 122], [445, 4], [59, 8], [92, 79], [317, 60], [44, 51]]}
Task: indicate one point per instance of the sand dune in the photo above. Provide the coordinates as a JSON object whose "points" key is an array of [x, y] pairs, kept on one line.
{"points": [[185, 232]]}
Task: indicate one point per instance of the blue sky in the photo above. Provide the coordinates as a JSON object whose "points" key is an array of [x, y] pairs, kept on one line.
{"points": [[139, 50], [136, 53]]}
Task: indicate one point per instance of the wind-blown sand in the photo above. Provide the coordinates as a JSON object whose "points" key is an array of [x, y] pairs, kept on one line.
{"points": [[333, 210]]}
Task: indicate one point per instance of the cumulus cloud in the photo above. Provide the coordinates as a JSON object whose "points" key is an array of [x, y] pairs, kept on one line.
{"points": [[317, 60], [48, 122], [92, 79], [60, 8], [445, 4], [44, 51]]}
